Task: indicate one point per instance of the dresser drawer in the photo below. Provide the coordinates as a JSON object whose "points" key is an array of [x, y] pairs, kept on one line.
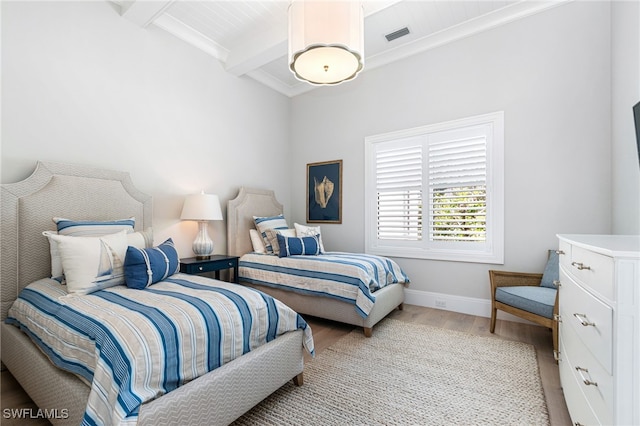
{"points": [[594, 270], [591, 319], [594, 382], [577, 404]]}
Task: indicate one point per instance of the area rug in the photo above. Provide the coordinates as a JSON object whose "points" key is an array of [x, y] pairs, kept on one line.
{"points": [[411, 374]]}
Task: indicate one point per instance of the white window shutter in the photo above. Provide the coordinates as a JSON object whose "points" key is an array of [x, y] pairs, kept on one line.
{"points": [[399, 193], [437, 191], [457, 190]]}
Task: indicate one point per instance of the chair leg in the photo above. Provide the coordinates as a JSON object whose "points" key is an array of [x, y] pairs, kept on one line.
{"points": [[492, 328]]}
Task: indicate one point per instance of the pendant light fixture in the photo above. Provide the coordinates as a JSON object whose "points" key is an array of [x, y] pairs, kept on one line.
{"points": [[326, 40]]}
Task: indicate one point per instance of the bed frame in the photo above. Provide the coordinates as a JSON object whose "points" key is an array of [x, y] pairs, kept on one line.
{"points": [[80, 192], [260, 202]]}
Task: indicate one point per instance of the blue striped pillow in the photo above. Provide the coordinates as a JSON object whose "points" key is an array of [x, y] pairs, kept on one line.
{"points": [[269, 222], [92, 228], [291, 246], [143, 267]]}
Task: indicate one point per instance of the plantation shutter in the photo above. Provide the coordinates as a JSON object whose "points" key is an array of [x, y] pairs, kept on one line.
{"points": [[399, 193], [457, 190]]}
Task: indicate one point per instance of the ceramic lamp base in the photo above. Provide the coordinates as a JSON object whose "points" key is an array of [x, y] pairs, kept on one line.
{"points": [[202, 245]]}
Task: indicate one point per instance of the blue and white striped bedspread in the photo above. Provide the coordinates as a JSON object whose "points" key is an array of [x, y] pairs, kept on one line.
{"points": [[350, 277], [133, 346]]}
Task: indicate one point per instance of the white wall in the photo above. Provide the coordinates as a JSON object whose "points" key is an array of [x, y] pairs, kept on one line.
{"points": [[81, 84], [625, 33], [549, 73]]}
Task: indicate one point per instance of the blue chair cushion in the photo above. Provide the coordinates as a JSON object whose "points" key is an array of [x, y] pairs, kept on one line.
{"points": [[537, 300], [551, 271]]}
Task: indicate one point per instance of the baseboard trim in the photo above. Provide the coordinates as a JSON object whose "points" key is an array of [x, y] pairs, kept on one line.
{"points": [[461, 304]]}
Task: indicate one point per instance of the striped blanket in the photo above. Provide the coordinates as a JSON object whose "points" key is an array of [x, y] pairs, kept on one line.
{"points": [[134, 345], [350, 277]]}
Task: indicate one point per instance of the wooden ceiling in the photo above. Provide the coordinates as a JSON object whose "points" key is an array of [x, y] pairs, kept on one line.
{"points": [[250, 37]]}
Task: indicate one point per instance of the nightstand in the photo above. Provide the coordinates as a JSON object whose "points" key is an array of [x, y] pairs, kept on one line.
{"points": [[215, 263]]}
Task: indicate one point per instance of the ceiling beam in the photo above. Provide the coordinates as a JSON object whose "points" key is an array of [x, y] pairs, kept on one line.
{"points": [[259, 51], [191, 36], [143, 12]]}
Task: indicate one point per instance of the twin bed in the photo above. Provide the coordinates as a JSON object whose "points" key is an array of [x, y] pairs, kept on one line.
{"points": [[370, 286], [209, 386], [76, 192]]}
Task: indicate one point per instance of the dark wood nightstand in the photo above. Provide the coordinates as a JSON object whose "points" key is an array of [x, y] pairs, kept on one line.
{"points": [[215, 263]]}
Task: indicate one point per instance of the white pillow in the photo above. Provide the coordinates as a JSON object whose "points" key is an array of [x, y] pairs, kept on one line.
{"points": [[92, 263], [309, 231], [136, 239], [256, 241], [141, 240]]}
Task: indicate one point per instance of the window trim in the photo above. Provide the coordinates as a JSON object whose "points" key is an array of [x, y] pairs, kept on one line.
{"points": [[493, 252]]}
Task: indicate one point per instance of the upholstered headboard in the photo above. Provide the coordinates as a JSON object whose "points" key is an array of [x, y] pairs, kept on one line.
{"points": [[58, 190], [250, 202]]}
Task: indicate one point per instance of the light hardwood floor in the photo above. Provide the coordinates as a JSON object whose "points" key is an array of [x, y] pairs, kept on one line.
{"points": [[327, 332]]}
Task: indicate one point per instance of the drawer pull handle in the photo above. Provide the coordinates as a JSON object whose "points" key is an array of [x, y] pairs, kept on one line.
{"points": [[583, 320], [560, 252], [200, 268], [556, 283], [587, 382], [580, 266]]}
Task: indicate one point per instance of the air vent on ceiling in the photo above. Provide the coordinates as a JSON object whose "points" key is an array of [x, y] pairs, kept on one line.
{"points": [[397, 34]]}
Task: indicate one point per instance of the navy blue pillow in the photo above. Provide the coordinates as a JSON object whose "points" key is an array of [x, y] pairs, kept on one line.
{"points": [[291, 246], [143, 267]]}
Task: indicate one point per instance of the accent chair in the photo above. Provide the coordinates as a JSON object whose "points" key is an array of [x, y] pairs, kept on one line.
{"points": [[533, 297]]}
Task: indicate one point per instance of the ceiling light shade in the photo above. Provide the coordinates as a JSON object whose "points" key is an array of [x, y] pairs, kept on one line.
{"points": [[326, 40]]}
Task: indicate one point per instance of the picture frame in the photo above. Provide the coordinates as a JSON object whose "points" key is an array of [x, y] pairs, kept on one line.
{"points": [[324, 192]]}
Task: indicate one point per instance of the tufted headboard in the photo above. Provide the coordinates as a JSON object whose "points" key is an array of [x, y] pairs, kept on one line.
{"points": [[57, 190], [240, 211]]}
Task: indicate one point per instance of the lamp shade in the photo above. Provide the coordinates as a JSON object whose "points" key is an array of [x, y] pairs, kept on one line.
{"points": [[326, 40], [201, 207]]}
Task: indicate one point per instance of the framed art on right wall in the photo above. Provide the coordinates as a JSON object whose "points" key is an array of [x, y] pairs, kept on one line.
{"points": [[324, 192]]}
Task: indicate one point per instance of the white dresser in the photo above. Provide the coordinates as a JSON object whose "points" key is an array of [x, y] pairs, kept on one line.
{"points": [[599, 339]]}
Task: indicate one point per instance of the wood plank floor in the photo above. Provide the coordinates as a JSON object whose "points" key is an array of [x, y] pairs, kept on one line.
{"points": [[326, 333]]}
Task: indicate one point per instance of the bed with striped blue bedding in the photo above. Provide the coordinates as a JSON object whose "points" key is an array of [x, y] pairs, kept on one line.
{"points": [[350, 277], [132, 346]]}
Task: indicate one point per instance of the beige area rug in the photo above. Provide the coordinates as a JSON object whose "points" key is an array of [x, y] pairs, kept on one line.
{"points": [[409, 374]]}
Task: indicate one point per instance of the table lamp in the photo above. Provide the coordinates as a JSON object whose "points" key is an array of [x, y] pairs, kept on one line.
{"points": [[202, 208]]}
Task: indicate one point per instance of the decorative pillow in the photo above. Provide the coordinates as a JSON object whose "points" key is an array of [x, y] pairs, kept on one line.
{"points": [[309, 231], [137, 239], [291, 246], [56, 263], [146, 266], [92, 263], [93, 228], [272, 236], [143, 239], [82, 228], [256, 241], [551, 271], [269, 222]]}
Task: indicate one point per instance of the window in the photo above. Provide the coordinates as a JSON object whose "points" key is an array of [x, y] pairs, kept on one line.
{"points": [[436, 192]]}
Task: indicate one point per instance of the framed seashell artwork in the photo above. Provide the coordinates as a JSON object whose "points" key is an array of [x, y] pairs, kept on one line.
{"points": [[324, 192]]}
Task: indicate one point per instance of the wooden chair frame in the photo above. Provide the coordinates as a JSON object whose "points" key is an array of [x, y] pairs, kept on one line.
{"points": [[512, 279]]}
